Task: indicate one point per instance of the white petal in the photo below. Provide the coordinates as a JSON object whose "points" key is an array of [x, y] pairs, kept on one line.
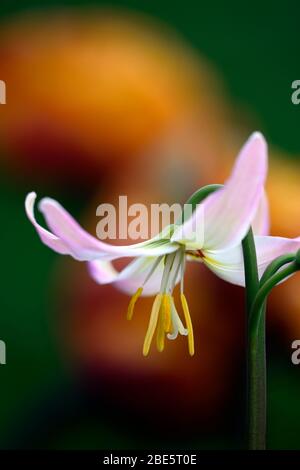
{"points": [[228, 264], [131, 277]]}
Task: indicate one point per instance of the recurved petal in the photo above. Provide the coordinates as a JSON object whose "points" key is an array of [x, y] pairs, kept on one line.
{"points": [[46, 237], [68, 237], [82, 245]]}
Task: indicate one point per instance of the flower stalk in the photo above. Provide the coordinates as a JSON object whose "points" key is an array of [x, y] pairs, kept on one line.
{"points": [[256, 351], [256, 307]]}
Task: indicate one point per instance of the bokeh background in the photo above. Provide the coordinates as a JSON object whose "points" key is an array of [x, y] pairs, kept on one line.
{"points": [[149, 99]]}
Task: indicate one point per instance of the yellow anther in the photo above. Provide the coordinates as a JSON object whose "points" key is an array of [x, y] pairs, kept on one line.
{"points": [[188, 324], [167, 313], [152, 324], [160, 335], [132, 303]]}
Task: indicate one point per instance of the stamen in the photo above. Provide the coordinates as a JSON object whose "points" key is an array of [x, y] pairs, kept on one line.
{"points": [[188, 323], [153, 269], [176, 267], [182, 274], [167, 313], [177, 326], [160, 337], [132, 303], [152, 324], [167, 271], [164, 322], [174, 332]]}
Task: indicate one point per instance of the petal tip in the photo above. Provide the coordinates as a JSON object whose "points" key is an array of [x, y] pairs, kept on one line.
{"points": [[29, 202], [30, 196], [256, 148], [46, 202], [258, 138]]}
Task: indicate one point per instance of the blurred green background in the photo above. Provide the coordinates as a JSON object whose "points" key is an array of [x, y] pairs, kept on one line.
{"points": [[254, 50]]}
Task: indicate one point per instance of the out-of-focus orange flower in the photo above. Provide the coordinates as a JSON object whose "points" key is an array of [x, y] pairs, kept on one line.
{"points": [[89, 93], [284, 196]]}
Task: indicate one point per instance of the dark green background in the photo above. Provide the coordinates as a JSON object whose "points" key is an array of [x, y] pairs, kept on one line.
{"points": [[255, 47]]}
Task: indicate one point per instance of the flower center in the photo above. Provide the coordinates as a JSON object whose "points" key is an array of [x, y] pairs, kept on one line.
{"points": [[196, 254], [164, 318]]}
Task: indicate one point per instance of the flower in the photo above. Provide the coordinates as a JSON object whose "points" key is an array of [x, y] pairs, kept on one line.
{"points": [[131, 98], [159, 263]]}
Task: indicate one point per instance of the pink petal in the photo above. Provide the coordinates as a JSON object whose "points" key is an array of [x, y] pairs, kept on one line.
{"points": [[261, 221], [229, 212], [46, 237], [68, 237], [82, 245]]}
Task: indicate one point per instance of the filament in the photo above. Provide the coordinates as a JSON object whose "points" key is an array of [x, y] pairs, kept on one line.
{"points": [[152, 324], [132, 303], [188, 323]]}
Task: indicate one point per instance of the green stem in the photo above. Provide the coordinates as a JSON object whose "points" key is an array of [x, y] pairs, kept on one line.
{"points": [[256, 352], [197, 197], [257, 371], [276, 265], [251, 272], [256, 308], [264, 291]]}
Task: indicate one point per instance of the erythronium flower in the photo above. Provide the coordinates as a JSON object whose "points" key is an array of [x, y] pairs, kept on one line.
{"points": [[159, 263]]}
